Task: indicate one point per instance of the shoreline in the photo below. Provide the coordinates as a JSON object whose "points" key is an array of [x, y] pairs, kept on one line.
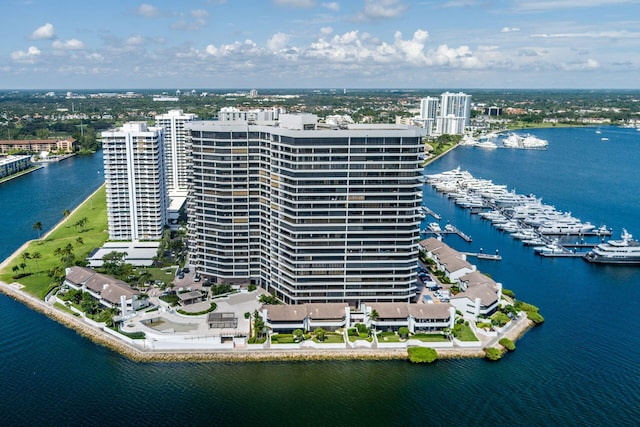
{"points": [[98, 336], [21, 173], [4, 263]]}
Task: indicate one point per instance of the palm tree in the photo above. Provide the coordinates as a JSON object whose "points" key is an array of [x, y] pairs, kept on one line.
{"points": [[25, 257], [66, 213], [36, 256], [38, 227], [79, 241]]}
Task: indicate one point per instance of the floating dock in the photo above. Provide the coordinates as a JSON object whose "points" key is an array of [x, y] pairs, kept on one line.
{"points": [[480, 255]]}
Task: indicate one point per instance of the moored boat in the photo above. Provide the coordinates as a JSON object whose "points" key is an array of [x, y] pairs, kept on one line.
{"points": [[623, 251]]}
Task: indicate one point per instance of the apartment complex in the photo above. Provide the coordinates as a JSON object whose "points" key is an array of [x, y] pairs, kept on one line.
{"points": [[36, 145], [134, 171], [175, 135], [428, 113], [454, 114], [311, 215]]}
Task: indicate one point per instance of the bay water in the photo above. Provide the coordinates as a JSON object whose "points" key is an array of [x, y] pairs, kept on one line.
{"points": [[581, 367]]}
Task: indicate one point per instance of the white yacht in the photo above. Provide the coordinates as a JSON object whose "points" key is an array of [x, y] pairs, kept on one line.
{"points": [[623, 251]]}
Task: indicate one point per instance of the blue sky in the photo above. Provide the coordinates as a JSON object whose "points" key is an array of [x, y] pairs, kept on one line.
{"points": [[71, 44]]}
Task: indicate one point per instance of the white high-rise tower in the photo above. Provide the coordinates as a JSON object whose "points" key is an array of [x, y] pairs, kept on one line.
{"points": [[455, 113], [175, 150], [134, 174], [428, 113]]}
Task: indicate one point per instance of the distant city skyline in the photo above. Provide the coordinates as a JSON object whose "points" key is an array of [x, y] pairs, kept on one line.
{"points": [[320, 44]]}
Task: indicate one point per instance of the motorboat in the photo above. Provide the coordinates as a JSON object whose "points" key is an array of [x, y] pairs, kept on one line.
{"points": [[623, 251]]}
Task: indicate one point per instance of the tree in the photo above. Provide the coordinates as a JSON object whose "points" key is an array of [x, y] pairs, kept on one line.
{"points": [[297, 335], [79, 241], [36, 256], [15, 269], [403, 332], [66, 213], [38, 227], [26, 256], [320, 334], [258, 324], [374, 316]]}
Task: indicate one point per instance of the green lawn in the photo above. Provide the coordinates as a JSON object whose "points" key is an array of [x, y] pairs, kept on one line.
{"points": [[164, 274], [360, 336], [93, 235], [466, 334], [388, 337], [331, 338], [282, 339], [430, 337]]}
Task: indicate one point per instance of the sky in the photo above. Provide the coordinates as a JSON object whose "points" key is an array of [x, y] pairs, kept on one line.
{"points": [[186, 44]]}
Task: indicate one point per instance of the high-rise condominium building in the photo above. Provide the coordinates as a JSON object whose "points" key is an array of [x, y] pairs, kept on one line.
{"points": [[134, 175], [175, 151], [310, 215], [455, 113], [428, 113]]}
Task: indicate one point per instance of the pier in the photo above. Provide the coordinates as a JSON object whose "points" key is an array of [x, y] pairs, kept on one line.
{"points": [[480, 255], [449, 229], [428, 211]]}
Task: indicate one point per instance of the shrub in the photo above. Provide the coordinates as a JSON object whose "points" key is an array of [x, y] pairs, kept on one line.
{"points": [[403, 332], [526, 307], [422, 355], [535, 317], [362, 328], [508, 292], [353, 332], [492, 354], [133, 335], [507, 343], [252, 287], [247, 315], [209, 310], [499, 318]]}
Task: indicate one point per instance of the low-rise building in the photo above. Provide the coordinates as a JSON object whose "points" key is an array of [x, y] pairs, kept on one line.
{"points": [[307, 317], [37, 145], [13, 164], [109, 291], [479, 295], [453, 263], [415, 317]]}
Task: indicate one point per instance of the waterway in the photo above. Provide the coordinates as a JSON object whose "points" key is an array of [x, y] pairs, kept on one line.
{"points": [[579, 368]]}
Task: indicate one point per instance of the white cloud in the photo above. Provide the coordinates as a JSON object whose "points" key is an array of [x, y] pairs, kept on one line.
{"points": [[589, 64], [46, 32], [333, 6], [305, 4], [460, 3], [325, 31], [539, 6], [196, 22], [72, 44], [148, 11], [453, 57], [278, 42], [509, 29], [134, 41], [29, 56], [381, 9], [591, 35]]}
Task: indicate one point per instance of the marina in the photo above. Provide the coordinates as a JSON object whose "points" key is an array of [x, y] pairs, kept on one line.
{"points": [[524, 217]]}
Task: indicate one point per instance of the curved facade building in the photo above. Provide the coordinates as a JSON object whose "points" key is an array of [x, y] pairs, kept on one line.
{"points": [[311, 215]]}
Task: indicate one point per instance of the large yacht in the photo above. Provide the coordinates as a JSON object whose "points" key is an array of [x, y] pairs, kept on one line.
{"points": [[624, 251]]}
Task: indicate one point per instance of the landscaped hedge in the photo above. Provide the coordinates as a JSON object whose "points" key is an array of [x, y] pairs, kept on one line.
{"points": [[492, 354], [507, 343], [133, 335], [422, 355], [198, 313]]}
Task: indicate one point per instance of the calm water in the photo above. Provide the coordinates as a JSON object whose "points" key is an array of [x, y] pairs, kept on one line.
{"points": [[580, 368]]}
